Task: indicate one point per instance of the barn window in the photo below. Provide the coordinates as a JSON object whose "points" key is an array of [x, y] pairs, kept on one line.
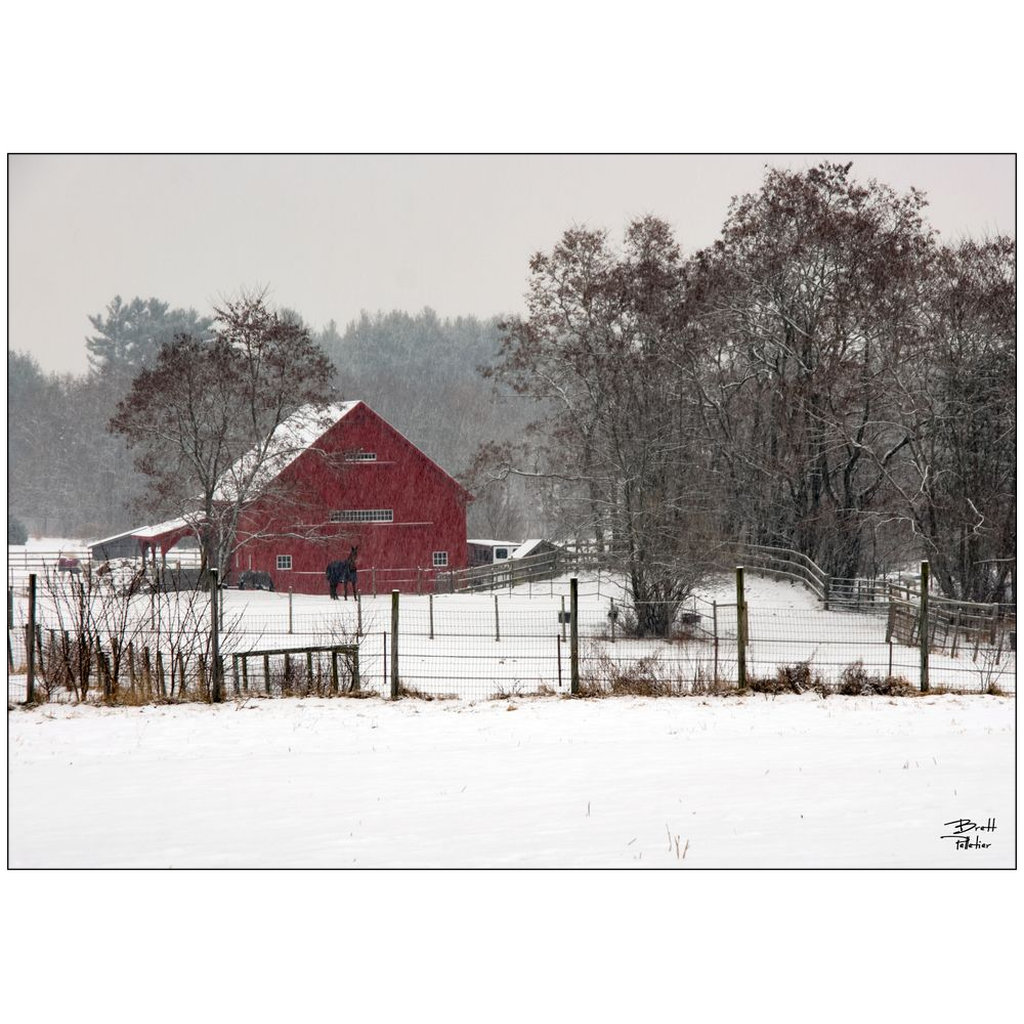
{"points": [[440, 559], [360, 456], [363, 515], [284, 561]]}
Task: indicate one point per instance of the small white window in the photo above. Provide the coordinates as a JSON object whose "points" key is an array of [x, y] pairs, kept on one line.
{"points": [[500, 553], [440, 559], [284, 561], [360, 456]]}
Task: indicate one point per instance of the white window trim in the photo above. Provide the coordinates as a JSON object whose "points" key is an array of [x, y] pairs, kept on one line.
{"points": [[442, 564], [283, 568], [362, 515]]}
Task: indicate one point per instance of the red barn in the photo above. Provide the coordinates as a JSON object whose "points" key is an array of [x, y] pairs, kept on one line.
{"points": [[345, 477]]}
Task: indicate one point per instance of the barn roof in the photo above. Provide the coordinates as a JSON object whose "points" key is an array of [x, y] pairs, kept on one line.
{"points": [[290, 439], [295, 435]]}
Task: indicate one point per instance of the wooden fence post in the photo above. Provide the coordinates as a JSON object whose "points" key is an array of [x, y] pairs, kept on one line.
{"points": [[394, 645], [741, 630], [215, 681], [714, 625], [39, 651], [574, 638], [924, 627], [30, 630]]}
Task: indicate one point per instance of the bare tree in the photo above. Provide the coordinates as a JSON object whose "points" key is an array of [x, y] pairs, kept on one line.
{"points": [[953, 395], [804, 305], [209, 422], [603, 351]]}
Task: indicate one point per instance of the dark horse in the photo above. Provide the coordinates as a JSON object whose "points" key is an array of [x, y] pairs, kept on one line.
{"points": [[343, 572]]}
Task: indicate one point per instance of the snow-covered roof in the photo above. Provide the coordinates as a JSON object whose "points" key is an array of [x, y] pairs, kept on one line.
{"points": [[495, 543], [289, 440], [171, 526], [146, 532], [527, 547]]}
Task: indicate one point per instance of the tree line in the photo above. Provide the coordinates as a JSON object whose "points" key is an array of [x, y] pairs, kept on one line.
{"points": [[828, 376]]}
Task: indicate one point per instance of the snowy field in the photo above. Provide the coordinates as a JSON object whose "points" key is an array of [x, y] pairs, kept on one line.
{"points": [[540, 782]]}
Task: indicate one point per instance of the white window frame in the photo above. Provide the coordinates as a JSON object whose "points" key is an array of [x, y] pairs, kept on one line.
{"points": [[361, 457], [362, 515], [281, 559], [440, 559]]}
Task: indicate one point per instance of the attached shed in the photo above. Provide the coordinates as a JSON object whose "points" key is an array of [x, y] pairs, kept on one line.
{"points": [[142, 542]]}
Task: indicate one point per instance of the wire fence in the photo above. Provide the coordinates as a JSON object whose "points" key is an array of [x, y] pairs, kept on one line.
{"points": [[500, 644]]}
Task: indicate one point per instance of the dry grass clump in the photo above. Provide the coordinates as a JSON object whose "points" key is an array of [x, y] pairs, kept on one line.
{"points": [[856, 681], [796, 678], [645, 677], [414, 694]]}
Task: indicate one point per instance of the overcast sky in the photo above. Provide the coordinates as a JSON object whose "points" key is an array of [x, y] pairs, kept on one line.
{"points": [[332, 236]]}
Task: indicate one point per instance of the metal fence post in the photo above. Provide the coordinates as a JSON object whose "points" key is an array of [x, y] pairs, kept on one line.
{"points": [[289, 609], [924, 626], [574, 638], [563, 618], [394, 645], [497, 626], [741, 629], [215, 666], [430, 606], [359, 615], [30, 647]]}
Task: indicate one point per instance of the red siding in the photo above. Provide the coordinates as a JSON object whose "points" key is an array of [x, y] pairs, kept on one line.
{"points": [[429, 510]]}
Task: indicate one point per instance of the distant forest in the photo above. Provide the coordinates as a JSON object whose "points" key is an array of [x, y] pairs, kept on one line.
{"points": [[67, 476]]}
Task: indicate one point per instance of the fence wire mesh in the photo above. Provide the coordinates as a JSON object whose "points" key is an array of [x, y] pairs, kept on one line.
{"points": [[498, 644]]}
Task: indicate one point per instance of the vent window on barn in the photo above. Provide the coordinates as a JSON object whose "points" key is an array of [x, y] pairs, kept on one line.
{"points": [[360, 456], [284, 561], [440, 559], [363, 515]]}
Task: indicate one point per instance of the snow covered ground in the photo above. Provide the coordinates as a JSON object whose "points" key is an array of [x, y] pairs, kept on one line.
{"points": [[540, 782]]}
